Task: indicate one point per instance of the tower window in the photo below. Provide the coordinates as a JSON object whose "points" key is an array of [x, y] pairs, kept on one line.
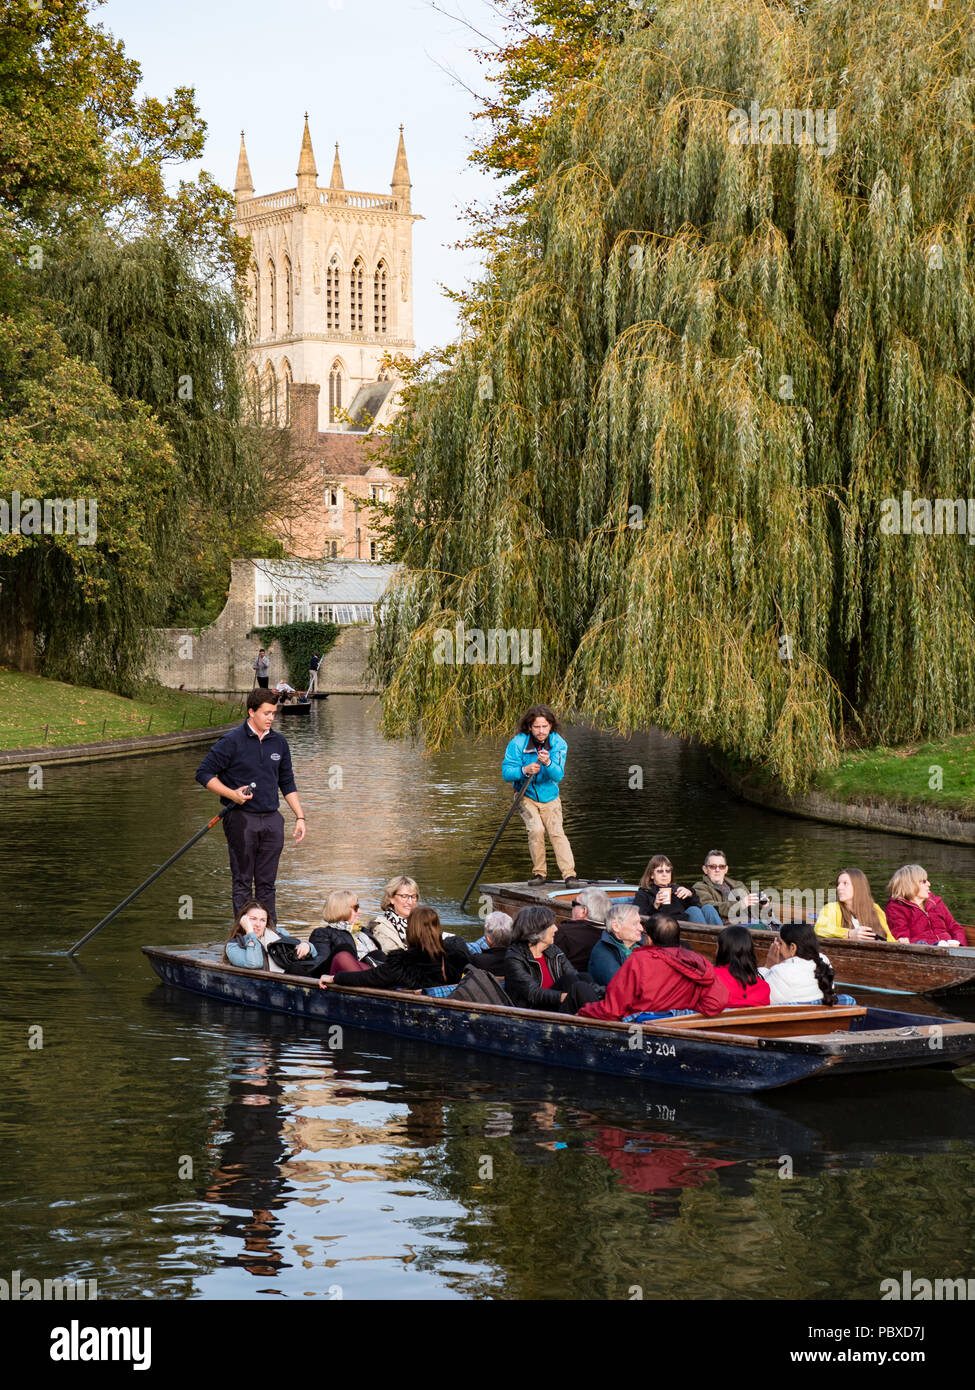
{"points": [[355, 296], [380, 281], [332, 296], [334, 392]]}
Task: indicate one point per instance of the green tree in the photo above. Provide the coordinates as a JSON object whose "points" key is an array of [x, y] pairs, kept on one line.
{"points": [[697, 370]]}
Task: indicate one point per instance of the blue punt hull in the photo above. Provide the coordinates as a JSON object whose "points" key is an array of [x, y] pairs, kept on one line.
{"points": [[666, 1053]]}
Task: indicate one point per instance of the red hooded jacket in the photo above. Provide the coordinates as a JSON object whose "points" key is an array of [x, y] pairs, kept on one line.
{"points": [[656, 978]]}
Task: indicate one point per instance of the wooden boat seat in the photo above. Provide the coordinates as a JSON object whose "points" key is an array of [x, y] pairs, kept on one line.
{"points": [[790, 1021]]}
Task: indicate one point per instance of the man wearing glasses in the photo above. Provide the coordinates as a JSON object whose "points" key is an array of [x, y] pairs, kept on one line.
{"points": [[726, 895]]}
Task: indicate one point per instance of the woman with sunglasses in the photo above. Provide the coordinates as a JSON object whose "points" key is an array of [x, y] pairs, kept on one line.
{"points": [[341, 940]]}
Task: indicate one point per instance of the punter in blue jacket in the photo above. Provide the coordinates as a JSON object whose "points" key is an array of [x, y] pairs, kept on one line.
{"points": [[538, 751]]}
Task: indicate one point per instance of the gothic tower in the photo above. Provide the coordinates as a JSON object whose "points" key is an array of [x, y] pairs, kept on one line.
{"points": [[331, 283]]}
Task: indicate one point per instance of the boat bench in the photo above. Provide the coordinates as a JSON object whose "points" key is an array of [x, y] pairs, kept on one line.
{"points": [[788, 1022]]}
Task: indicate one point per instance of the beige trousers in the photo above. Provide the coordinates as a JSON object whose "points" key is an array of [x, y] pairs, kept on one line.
{"points": [[539, 817]]}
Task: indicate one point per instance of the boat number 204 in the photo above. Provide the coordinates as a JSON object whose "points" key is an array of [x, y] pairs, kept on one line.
{"points": [[656, 1047]]}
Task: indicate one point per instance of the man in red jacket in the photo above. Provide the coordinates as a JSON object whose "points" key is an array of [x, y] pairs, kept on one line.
{"points": [[664, 975]]}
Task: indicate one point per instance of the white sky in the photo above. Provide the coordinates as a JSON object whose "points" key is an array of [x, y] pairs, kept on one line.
{"points": [[258, 66]]}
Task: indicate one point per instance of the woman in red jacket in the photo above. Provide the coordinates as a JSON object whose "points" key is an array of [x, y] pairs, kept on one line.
{"points": [[737, 969], [916, 915]]}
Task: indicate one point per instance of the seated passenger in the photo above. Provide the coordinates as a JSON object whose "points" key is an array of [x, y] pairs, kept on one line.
{"points": [[250, 937], [429, 959], [489, 952], [576, 938], [796, 970], [917, 915], [624, 932], [726, 895], [341, 938], [736, 967], [660, 978], [388, 927], [657, 894], [854, 914], [537, 975]]}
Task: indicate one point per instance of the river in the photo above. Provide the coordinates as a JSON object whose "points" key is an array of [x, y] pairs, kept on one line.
{"points": [[172, 1147]]}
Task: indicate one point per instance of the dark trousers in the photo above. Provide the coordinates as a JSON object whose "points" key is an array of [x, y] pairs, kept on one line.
{"points": [[262, 682], [255, 840]]}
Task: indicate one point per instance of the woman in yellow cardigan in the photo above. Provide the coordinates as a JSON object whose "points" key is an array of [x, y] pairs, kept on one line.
{"points": [[854, 914]]}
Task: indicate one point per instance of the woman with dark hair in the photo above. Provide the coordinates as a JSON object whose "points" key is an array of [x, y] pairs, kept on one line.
{"points": [[796, 970], [657, 893], [251, 938], [538, 751], [537, 975], [428, 960], [737, 969]]}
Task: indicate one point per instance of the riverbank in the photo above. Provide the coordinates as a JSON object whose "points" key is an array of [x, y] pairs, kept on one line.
{"points": [[39, 715], [925, 790]]}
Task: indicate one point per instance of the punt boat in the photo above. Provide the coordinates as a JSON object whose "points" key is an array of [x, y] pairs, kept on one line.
{"points": [[889, 966], [740, 1050], [302, 707]]}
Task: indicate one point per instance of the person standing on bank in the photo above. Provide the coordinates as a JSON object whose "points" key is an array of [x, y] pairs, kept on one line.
{"points": [[261, 667], [538, 748], [254, 752]]}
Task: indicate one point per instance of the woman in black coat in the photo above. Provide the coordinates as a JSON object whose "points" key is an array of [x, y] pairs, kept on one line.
{"points": [[537, 975], [429, 959]]}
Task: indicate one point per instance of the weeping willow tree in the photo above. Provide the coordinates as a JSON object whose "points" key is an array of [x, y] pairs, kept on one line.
{"points": [[738, 315]]}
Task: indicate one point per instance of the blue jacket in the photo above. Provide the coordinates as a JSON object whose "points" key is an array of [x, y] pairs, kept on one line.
{"points": [[546, 784], [607, 956], [241, 757]]}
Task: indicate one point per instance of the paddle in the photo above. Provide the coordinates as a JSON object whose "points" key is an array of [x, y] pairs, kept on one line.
{"points": [[154, 875], [511, 810]]}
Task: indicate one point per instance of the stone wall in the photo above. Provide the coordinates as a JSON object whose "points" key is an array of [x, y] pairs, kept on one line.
{"points": [[219, 658]]}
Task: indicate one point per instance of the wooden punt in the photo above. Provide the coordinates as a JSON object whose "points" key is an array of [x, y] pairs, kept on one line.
{"points": [[302, 707], [868, 964], [740, 1050]]}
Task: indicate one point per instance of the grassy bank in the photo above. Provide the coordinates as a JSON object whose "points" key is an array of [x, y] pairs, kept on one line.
{"points": [[939, 775], [38, 713]]}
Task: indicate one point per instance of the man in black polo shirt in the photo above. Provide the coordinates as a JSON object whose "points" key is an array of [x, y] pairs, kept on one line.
{"points": [[254, 752]]}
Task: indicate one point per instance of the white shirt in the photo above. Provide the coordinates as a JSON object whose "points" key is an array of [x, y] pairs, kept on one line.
{"points": [[793, 981]]}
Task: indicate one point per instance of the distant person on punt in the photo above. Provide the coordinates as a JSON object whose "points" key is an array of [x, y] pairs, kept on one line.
{"points": [[261, 666], [577, 936], [737, 969], [400, 897], [286, 693], [917, 915], [660, 979], [490, 950], [341, 939], [854, 914], [729, 897], [797, 971], [250, 937], [314, 661], [429, 959], [657, 893], [537, 975], [538, 750], [622, 934]]}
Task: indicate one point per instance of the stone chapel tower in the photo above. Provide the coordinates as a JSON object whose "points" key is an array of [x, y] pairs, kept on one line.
{"points": [[331, 285]]}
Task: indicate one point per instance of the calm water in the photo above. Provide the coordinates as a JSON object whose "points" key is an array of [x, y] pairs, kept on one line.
{"points": [[170, 1146]]}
